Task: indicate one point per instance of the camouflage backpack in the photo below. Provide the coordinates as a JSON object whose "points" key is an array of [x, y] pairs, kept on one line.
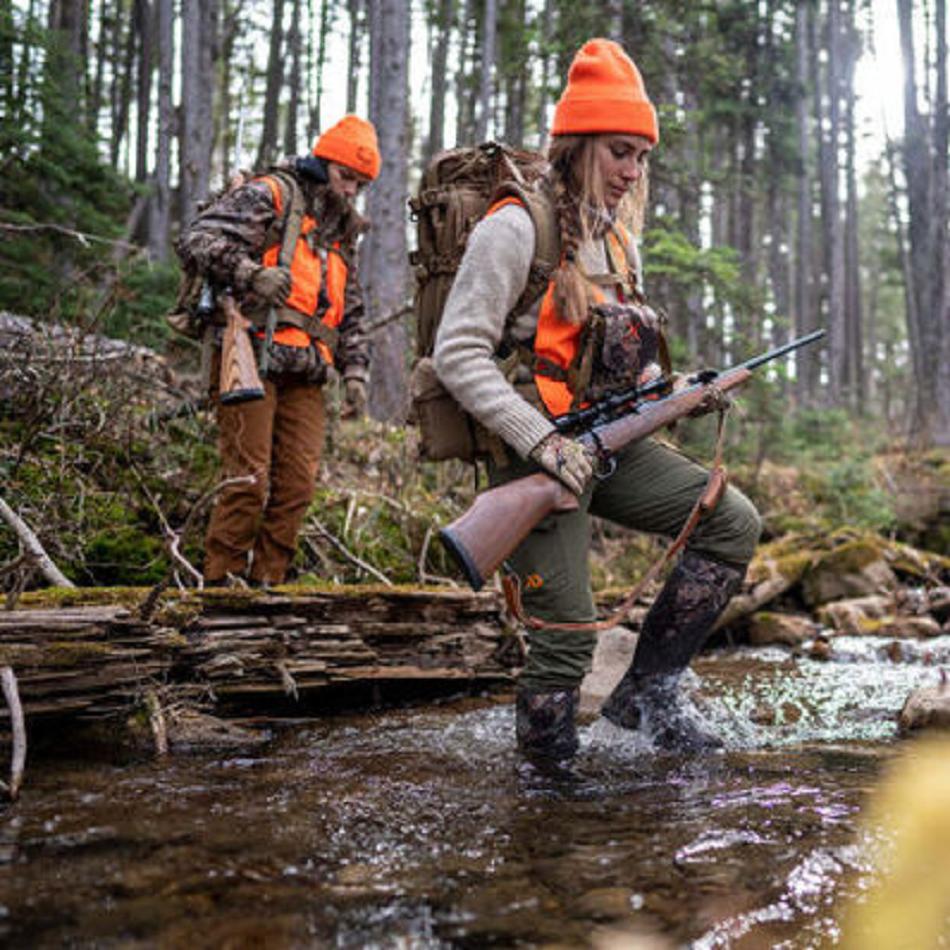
{"points": [[457, 188]]}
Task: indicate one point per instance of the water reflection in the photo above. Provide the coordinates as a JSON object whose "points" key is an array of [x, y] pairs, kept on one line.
{"points": [[417, 828]]}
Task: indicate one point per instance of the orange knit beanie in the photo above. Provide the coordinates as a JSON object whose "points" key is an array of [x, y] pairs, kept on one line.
{"points": [[605, 93], [351, 142]]}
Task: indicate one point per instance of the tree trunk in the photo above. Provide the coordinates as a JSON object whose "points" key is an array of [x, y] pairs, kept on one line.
{"points": [[356, 8], [65, 66], [226, 140], [25, 103], [159, 235], [267, 150], [613, 19], [832, 231], [747, 239], [94, 103], [806, 361], [485, 85], [294, 45], [7, 71], [907, 272], [142, 22], [465, 81], [385, 268], [316, 113], [512, 68], [917, 174], [121, 94], [440, 54], [854, 336], [199, 36], [939, 217], [834, 228], [778, 261], [543, 91]]}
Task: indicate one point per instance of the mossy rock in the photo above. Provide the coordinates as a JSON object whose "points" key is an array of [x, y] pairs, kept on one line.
{"points": [[855, 569], [926, 708], [768, 628], [790, 557]]}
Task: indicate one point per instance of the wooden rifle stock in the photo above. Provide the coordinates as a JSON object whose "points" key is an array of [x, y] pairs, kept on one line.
{"points": [[501, 518], [239, 381]]}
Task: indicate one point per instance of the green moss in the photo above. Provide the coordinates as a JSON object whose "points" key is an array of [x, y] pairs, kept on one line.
{"points": [[48, 597], [73, 653], [17, 655], [176, 613], [793, 566], [852, 557]]}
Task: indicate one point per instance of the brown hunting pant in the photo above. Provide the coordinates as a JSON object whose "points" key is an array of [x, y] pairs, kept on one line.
{"points": [[278, 440]]}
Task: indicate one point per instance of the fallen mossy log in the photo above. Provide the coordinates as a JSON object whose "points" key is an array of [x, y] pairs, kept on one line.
{"points": [[76, 653]]}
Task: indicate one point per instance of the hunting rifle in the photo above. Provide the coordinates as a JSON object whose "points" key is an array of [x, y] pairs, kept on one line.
{"points": [[239, 380], [482, 538]]}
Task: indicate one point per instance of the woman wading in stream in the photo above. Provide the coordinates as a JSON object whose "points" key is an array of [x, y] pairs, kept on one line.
{"points": [[590, 333]]}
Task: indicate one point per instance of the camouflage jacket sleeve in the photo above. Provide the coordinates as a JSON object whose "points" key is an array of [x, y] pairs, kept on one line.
{"points": [[353, 347], [227, 240]]}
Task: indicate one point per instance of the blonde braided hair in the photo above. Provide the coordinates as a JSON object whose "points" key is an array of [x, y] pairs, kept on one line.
{"points": [[578, 191]]}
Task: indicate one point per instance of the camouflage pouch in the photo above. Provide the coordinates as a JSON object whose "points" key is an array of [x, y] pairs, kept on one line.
{"points": [[301, 363], [625, 346]]}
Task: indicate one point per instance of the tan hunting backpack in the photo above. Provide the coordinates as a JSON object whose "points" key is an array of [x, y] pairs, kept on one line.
{"points": [[457, 188]]}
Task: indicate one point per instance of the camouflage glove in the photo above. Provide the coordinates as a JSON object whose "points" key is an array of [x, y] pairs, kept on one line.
{"points": [[271, 284], [568, 461], [354, 399]]}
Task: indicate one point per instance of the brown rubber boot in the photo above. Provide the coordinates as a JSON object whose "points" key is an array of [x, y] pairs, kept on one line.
{"points": [[545, 724], [675, 628]]}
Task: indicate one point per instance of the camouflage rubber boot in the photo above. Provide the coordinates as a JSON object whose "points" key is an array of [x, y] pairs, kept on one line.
{"points": [[545, 723], [656, 704], [676, 627]]}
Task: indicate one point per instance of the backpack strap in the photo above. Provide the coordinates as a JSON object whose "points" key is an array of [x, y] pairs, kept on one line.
{"points": [[286, 192], [547, 238]]}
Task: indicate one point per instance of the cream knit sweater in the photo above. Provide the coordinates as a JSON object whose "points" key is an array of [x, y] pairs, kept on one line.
{"points": [[490, 279]]}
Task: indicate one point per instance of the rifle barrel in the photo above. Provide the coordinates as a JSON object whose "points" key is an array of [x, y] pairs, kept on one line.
{"points": [[596, 414], [778, 351]]}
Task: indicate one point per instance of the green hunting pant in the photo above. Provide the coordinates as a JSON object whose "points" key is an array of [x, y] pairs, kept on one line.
{"points": [[653, 489]]}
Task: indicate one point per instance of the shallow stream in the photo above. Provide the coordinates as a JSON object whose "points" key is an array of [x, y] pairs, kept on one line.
{"points": [[415, 828]]}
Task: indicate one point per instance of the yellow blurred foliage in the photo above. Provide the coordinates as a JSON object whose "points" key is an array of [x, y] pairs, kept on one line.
{"points": [[908, 902]]}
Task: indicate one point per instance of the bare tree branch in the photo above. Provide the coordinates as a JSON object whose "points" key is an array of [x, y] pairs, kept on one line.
{"points": [[156, 721], [349, 555], [32, 544], [18, 729], [151, 601], [81, 236]]}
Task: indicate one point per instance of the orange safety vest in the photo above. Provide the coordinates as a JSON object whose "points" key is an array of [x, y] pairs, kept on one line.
{"points": [[556, 342], [306, 276]]}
